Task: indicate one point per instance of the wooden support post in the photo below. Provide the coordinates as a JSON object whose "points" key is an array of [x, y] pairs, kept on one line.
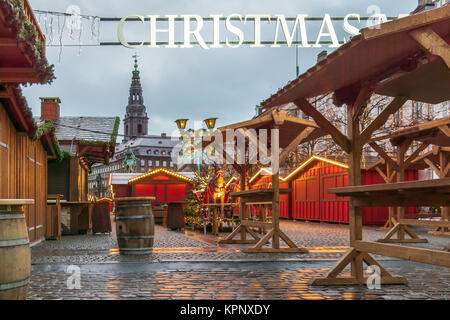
{"points": [[401, 150], [356, 258], [443, 172], [354, 179], [243, 206], [276, 198]]}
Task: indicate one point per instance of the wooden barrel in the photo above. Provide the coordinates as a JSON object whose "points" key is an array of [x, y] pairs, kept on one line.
{"points": [[15, 255], [135, 225]]}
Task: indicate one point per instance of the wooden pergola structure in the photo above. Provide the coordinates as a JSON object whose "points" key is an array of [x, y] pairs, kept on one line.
{"points": [[435, 134], [291, 132], [408, 58]]}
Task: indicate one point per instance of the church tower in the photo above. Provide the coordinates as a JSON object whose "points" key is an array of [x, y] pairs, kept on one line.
{"points": [[136, 119]]}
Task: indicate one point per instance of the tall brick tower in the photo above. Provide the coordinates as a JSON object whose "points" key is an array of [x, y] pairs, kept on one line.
{"points": [[136, 119]]}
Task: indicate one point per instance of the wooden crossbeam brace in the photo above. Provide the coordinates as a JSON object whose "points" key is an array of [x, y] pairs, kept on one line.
{"points": [[323, 123], [363, 95], [392, 108], [430, 256], [433, 167], [332, 276], [415, 154], [446, 130], [432, 43], [384, 155], [401, 229]]}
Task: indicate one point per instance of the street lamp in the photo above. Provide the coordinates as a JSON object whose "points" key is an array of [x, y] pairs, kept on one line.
{"points": [[181, 123], [210, 123]]}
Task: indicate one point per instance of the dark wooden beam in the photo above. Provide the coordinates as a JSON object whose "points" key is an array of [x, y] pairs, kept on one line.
{"points": [[383, 154], [415, 154], [432, 43]]}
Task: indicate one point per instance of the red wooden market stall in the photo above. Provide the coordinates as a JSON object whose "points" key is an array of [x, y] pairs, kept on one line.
{"points": [[310, 199], [165, 185]]}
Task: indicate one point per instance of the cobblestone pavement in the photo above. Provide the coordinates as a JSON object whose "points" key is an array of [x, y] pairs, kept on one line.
{"points": [[324, 241], [228, 280], [190, 265]]}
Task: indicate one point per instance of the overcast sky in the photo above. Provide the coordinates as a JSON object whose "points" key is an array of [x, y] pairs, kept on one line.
{"points": [[182, 83]]}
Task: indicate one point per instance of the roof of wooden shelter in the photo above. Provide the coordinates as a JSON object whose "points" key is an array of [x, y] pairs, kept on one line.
{"points": [[299, 169], [387, 58], [186, 177], [92, 137], [289, 127], [436, 132]]}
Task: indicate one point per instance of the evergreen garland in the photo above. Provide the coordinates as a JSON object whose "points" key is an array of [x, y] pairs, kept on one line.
{"points": [[26, 33], [48, 128]]}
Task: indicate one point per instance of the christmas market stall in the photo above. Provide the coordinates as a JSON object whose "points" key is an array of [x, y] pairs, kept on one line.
{"points": [[24, 150], [408, 58], [310, 200], [170, 189], [434, 135], [279, 131], [84, 141]]}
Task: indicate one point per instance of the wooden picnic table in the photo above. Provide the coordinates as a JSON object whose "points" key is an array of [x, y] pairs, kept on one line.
{"points": [[262, 195]]}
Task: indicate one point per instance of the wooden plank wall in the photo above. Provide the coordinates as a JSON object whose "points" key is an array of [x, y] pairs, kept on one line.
{"points": [[23, 174], [78, 181]]}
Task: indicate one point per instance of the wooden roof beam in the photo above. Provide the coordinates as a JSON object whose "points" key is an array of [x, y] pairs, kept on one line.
{"points": [[432, 43], [18, 75], [445, 130], [415, 154], [323, 123], [383, 154]]}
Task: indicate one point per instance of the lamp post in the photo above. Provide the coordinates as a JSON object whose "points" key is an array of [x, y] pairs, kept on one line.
{"points": [[182, 123]]}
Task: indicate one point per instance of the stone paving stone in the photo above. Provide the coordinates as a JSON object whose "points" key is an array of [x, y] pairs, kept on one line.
{"points": [[325, 241], [227, 272], [242, 283]]}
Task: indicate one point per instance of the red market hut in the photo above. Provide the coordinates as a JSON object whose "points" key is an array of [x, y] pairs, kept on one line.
{"points": [[310, 199], [263, 180], [165, 185]]}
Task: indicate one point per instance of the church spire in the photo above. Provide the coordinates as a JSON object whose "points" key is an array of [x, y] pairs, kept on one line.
{"points": [[136, 120], [136, 88]]}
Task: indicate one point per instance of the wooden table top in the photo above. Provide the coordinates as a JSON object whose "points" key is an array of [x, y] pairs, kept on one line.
{"points": [[412, 186], [135, 199], [400, 194], [74, 203], [258, 192], [12, 202]]}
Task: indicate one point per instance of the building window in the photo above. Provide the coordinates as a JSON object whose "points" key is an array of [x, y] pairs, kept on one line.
{"points": [[139, 128], [157, 163], [164, 163], [126, 130], [142, 163], [163, 153], [150, 163], [156, 152], [171, 164]]}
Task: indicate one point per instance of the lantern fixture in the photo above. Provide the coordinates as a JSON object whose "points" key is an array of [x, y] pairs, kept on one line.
{"points": [[181, 123], [210, 123]]}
